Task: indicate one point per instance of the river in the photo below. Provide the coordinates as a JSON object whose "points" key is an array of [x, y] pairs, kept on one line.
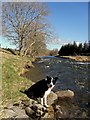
{"points": [[71, 75]]}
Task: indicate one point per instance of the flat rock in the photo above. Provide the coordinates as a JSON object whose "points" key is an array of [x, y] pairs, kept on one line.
{"points": [[65, 93], [9, 113], [15, 112], [19, 111]]}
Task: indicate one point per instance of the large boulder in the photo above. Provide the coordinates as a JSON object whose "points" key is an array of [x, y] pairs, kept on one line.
{"points": [[65, 94], [15, 112]]}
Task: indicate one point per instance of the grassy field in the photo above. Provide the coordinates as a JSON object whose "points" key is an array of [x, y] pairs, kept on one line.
{"points": [[12, 82]]}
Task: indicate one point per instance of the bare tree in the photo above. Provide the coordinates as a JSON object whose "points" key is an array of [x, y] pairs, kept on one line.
{"points": [[24, 24]]}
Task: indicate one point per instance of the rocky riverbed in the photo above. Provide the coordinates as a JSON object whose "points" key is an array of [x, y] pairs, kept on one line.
{"points": [[60, 106]]}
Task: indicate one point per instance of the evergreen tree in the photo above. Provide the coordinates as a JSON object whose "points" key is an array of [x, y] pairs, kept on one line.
{"points": [[80, 48]]}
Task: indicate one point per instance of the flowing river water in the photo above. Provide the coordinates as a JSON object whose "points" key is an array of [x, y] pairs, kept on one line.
{"points": [[71, 75]]}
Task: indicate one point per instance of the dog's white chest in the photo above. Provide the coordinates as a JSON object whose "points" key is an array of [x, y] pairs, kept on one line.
{"points": [[48, 91]]}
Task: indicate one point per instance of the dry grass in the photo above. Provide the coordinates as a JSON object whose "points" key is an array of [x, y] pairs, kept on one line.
{"points": [[78, 58]]}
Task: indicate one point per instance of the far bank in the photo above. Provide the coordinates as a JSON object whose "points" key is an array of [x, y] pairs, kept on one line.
{"points": [[77, 58]]}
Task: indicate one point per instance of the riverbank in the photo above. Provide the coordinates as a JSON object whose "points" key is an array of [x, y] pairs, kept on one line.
{"points": [[12, 67], [77, 58], [16, 104], [61, 105]]}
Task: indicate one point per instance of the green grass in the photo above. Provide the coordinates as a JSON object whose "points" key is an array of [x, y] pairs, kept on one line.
{"points": [[12, 82]]}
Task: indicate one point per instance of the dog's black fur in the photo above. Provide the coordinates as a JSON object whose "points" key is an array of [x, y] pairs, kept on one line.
{"points": [[38, 90]]}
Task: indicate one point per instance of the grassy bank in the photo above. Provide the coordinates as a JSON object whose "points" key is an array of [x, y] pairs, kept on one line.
{"points": [[78, 58], [12, 82]]}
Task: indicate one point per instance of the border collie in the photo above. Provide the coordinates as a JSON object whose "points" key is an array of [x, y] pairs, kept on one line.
{"points": [[41, 89]]}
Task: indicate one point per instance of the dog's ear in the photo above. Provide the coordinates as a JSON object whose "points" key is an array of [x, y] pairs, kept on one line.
{"points": [[55, 78], [47, 78]]}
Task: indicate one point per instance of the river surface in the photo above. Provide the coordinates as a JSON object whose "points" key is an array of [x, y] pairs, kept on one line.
{"points": [[71, 75]]}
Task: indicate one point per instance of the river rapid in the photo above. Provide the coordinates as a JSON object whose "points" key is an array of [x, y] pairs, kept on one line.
{"points": [[71, 75]]}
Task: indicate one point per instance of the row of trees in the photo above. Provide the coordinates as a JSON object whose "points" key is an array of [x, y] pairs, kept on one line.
{"points": [[74, 49], [25, 25]]}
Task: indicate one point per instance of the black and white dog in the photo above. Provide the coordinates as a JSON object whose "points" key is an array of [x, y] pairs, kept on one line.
{"points": [[41, 89]]}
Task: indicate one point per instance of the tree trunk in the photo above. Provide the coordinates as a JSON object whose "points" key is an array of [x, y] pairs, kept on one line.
{"points": [[20, 45]]}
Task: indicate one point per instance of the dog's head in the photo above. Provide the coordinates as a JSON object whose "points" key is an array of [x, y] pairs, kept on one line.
{"points": [[51, 81]]}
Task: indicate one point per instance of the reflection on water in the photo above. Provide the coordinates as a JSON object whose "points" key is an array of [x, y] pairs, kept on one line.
{"points": [[72, 75]]}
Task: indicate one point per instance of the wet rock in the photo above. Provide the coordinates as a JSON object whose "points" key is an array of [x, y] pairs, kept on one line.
{"points": [[65, 93]]}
